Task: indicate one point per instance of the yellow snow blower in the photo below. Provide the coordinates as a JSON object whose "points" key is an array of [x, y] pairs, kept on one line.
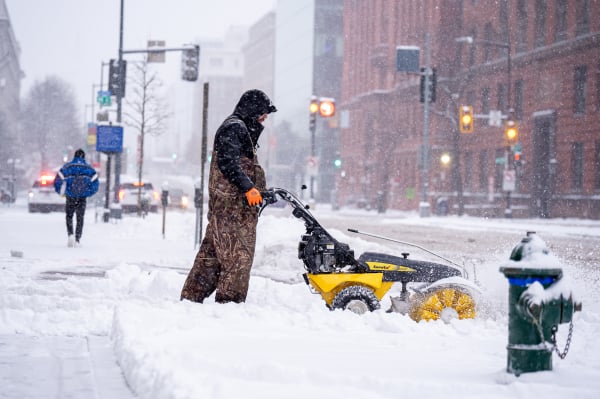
{"points": [[359, 284]]}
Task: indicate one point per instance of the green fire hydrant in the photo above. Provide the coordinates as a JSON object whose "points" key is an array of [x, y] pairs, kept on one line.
{"points": [[538, 301]]}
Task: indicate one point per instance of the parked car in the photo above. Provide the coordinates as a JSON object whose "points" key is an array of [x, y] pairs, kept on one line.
{"points": [[128, 197], [42, 197], [178, 199]]}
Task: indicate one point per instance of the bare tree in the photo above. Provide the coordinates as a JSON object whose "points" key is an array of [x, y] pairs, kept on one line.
{"points": [[146, 111], [49, 121]]}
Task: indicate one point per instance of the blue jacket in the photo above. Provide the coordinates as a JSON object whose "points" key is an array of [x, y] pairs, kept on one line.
{"points": [[80, 180]]}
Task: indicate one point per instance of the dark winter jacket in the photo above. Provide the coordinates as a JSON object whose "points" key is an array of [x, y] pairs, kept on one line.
{"points": [[79, 178], [238, 137]]}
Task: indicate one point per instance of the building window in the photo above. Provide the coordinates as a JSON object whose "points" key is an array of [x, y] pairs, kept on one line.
{"points": [[500, 154], [504, 27], [501, 97], [580, 86], [540, 23], [483, 170], [487, 48], [470, 97], [583, 17], [597, 166], [485, 100], [561, 21], [519, 85], [598, 87], [468, 170], [577, 166], [522, 25], [472, 49]]}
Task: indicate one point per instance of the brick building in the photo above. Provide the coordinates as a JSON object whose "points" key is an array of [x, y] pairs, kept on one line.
{"points": [[553, 50]]}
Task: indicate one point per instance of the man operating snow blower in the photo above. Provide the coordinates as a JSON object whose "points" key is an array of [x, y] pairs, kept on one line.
{"points": [[236, 179]]}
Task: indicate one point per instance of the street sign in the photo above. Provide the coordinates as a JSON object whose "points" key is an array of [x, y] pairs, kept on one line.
{"points": [[154, 55], [509, 180], [407, 59], [102, 116], [109, 138], [495, 118], [104, 98], [312, 166]]}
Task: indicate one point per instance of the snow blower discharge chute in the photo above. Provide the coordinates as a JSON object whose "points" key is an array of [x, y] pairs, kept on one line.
{"points": [[358, 284]]}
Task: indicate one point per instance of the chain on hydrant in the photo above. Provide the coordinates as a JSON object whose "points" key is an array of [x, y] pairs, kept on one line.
{"points": [[567, 345], [539, 300]]}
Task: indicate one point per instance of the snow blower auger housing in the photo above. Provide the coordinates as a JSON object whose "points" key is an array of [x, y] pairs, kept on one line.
{"points": [[345, 282]]}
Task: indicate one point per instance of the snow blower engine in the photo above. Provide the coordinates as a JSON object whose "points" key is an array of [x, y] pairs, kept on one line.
{"points": [[359, 284]]}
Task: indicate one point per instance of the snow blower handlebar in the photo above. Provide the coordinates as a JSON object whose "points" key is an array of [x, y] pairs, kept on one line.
{"points": [[300, 210], [460, 267]]}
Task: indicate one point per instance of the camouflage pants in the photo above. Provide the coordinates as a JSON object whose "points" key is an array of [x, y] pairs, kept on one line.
{"points": [[225, 257]]}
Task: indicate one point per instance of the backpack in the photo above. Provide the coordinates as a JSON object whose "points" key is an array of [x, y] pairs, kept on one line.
{"points": [[80, 186]]}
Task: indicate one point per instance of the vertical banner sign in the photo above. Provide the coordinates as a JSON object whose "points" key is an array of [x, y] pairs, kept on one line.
{"points": [[91, 136]]}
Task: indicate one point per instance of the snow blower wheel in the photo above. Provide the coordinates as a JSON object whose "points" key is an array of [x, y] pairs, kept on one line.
{"points": [[443, 303], [356, 299]]}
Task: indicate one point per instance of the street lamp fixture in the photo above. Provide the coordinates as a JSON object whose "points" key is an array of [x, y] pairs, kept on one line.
{"points": [[445, 159], [464, 39]]}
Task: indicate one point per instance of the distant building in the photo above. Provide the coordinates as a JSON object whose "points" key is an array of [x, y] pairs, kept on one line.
{"points": [[222, 66], [553, 89], [308, 61], [10, 88], [259, 71]]}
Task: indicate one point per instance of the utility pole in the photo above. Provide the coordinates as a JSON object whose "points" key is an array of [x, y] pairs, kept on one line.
{"points": [[424, 207], [200, 204], [119, 106]]}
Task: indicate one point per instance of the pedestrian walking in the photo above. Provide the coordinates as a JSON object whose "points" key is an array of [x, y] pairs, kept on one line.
{"points": [[236, 179], [76, 180]]}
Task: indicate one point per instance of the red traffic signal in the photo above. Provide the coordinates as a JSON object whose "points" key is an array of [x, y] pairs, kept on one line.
{"points": [[326, 107]]}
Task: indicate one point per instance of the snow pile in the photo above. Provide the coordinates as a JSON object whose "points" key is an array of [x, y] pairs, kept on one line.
{"points": [[283, 342]]}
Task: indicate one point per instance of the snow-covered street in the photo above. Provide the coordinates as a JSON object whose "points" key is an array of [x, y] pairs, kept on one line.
{"points": [[105, 320]]}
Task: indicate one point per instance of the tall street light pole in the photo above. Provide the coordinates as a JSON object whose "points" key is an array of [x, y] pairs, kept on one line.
{"points": [[510, 111], [119, 105], [424, 207]]}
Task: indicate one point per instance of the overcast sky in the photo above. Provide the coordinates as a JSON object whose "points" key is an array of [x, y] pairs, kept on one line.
{"points": [[71, 38]]}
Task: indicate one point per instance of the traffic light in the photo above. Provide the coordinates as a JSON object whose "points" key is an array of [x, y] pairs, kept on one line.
{"points": [[465, 119], [190, 59], [432, 85], [337, 161], [117, 75], [511, 132], [326, 107], [313, 108], [518, 157]]}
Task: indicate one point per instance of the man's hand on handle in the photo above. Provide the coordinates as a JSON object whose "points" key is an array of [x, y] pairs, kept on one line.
{"points": [[253, 196]]}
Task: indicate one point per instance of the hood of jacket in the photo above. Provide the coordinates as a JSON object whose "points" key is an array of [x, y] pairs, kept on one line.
{"points": [[253, 104]]}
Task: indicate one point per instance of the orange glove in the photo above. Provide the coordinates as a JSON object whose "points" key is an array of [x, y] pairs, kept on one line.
{"points": [[253, 196]]}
